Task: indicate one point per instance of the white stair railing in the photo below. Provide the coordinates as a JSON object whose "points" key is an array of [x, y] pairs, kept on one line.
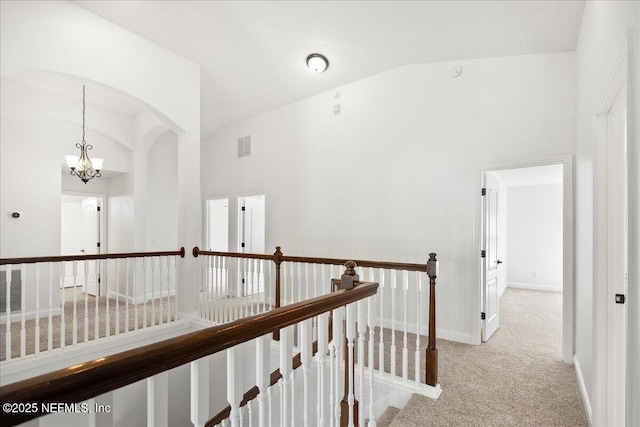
{"points": [[63, 301]]}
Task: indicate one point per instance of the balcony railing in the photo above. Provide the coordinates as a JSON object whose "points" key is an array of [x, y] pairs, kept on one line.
{"points": [[47, 303]]}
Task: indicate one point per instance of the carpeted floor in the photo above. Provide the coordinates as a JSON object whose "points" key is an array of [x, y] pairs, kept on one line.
{"points": [[517, 378]]}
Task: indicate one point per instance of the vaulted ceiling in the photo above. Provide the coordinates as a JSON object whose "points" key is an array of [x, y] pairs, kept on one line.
{"points": [[252, 54]]}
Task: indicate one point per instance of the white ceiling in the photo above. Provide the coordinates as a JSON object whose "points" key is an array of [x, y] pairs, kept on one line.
{"points": [[252, 54]]}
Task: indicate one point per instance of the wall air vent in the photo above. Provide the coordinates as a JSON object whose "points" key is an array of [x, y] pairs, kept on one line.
{"points": [[244, 146]]}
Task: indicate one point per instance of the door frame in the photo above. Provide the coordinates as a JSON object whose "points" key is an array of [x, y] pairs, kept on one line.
{"points": [[568, 243], [205, 220], [603, 409]]}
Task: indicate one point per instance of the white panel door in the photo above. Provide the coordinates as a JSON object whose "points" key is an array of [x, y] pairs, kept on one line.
{"points": [[491, 263]]}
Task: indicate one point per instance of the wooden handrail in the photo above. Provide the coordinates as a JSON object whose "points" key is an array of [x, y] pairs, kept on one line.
{"points": [[86, 380], [313, 260], [58, 258]]}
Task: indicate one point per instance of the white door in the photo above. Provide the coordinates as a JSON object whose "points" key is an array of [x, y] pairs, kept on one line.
{"points": [[90, 232], [218, 225], [617, 237], [491, 263], [253, 222]]}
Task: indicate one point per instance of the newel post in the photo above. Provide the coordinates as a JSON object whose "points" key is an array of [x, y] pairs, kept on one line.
{"points": [[277, 259], [432, 351]]}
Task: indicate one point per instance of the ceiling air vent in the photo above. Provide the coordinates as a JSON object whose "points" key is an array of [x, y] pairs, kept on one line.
{"points": [[244, 146]]}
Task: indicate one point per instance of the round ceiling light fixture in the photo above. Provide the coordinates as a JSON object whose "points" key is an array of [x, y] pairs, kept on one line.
{"points": [[317, 63]]}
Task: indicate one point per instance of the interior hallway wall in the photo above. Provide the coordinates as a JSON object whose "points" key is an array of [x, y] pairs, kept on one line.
{"points": [[535, 237], [394, 176]]}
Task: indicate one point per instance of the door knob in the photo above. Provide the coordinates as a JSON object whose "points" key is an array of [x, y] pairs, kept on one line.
{"points": [[498, 262]]}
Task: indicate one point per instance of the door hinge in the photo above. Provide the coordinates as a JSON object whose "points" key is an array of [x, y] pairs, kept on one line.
{"points": [[98, 208], [242, 281], [620, 298], [483, 192], [482, 316], [242, 244], [244, 209], [483, 254], [98, 244]]}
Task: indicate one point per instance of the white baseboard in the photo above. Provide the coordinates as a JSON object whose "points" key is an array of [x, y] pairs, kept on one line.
{"points": [[440, 333], [16, 316], [583, 389], [139, 299], [534, 287]]}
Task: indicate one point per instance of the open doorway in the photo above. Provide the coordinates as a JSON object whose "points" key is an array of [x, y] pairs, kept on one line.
{"points": [[81, 232], [526, 243]]}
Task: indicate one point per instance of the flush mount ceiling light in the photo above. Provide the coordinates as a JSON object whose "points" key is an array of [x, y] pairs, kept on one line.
{"points": [[317, 63], [81, 166]]}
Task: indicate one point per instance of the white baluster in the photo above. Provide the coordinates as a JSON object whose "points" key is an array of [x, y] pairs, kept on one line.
{"points": [[286, 349], [107, 312], [62, 306], [161, 299], [418, 374], [199, 391], [126, 295], [370, 323], [92, 415], [117, 295], [393, 322], [263, 376], [405, 350], [234, 384], [362, 330], [306, 350], [37, 319], [8, 313], [338, 383], [380, 317], [144, 292], [351, 335], [270, 421], [158, 400], [323, 344], [152, 260], [75, 301], [97, 314], [50, 325], [136, 289], [85, 286], [250, 413], [23, 310]]}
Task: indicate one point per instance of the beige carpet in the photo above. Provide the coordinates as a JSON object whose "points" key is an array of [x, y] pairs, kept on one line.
{"points": [[516, 379]]}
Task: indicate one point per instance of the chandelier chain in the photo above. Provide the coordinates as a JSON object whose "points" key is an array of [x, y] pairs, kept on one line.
{"points": [[83, 108]]}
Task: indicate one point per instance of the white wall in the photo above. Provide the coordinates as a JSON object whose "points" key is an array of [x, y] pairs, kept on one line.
{"points": [[162, 194], [535, 237], [602, 35], [392, 176]]}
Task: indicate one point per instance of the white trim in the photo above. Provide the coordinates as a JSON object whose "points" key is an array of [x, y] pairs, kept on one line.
{"points": [[568, 233], [139, 299], [603, 368], [535, 287], [440, 333], [583, 389]]}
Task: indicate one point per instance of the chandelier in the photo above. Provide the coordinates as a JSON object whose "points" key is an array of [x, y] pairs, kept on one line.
{"points": [[82, 166]]}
